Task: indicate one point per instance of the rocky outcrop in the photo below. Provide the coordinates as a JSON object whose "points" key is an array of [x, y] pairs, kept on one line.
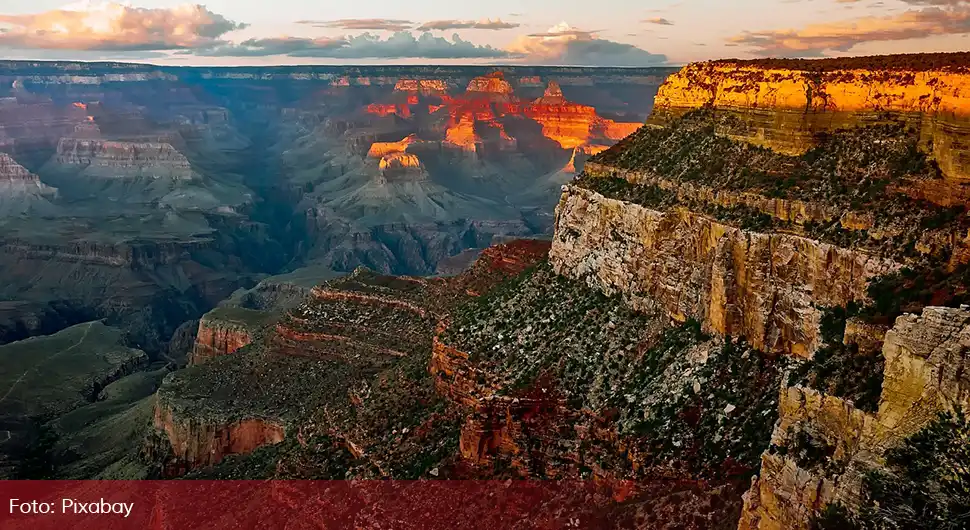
{"points": [[123, 159], [925, 374], [785, 108], [425, 87], [224, 330], [572, 125], [382, 149], [398, 167], [462, 133], [15, 179], [22, 192], [494, 85], [765, 287], [190, 443]]}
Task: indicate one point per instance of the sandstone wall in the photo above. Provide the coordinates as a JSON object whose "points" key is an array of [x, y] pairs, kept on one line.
{"points": [[767, 288], [193, 443], [217, 337], [926, 373], [783, 109]]}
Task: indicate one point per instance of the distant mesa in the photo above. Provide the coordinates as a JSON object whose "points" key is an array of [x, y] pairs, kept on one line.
{"points": [[573, 125], [104, 158], [493, 83], [424, 87], [15, 180], [479, 116], [402, 166]]}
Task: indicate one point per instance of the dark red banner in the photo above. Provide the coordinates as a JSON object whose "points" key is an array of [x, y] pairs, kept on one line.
{"points": [[183, 505]]}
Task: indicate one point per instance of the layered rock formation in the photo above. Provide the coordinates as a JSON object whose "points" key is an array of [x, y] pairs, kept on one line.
{"points": [[784, 107], [123, 159], [424, 87], [22, 192], [352, 352], [572, 125], [925, 375], [225, 330], [493, 85], [228, 176], [765, 287]]}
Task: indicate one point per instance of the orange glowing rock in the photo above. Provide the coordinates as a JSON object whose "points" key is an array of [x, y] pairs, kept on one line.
{"points": [[82, 106], [462, 133], [435, 108], [382, 149], [552, 95], [413, 99], [591, 150], [493, 83], [423, 86], [617, 130], [399, 161], [386, 109], [571, 165], [573, 125]]}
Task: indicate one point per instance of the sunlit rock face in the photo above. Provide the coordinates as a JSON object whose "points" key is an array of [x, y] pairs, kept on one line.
{"points": [[398, 167], [784, 108], [572, 125], [494, 85], [425, 87], [381, 149]]}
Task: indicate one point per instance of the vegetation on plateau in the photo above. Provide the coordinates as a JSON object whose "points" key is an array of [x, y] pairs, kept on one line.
{"points": [[855, 170], [916, 62], [679, 398]]}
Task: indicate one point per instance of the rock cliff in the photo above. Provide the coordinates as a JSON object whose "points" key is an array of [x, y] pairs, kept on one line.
{"points": [[765, 287], [925, 375], [785, 108], [224, 330], [123, 159], [22, 192]]}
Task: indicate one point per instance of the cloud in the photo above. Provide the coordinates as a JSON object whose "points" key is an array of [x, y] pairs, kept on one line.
{"points": [[401, 45], [111, 26], [566, 45], [814, 40], [378, 24], [443, 25], [659, 21]]}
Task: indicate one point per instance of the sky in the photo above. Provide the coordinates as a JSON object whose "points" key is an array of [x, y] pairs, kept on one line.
{"points": [[549, 32]]}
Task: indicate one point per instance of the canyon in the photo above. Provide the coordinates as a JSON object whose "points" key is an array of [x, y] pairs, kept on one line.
{"points": [[751, 313], [183, 207]]}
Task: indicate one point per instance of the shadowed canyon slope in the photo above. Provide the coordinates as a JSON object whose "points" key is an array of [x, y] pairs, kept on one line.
{"points": [[145, 195]]}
